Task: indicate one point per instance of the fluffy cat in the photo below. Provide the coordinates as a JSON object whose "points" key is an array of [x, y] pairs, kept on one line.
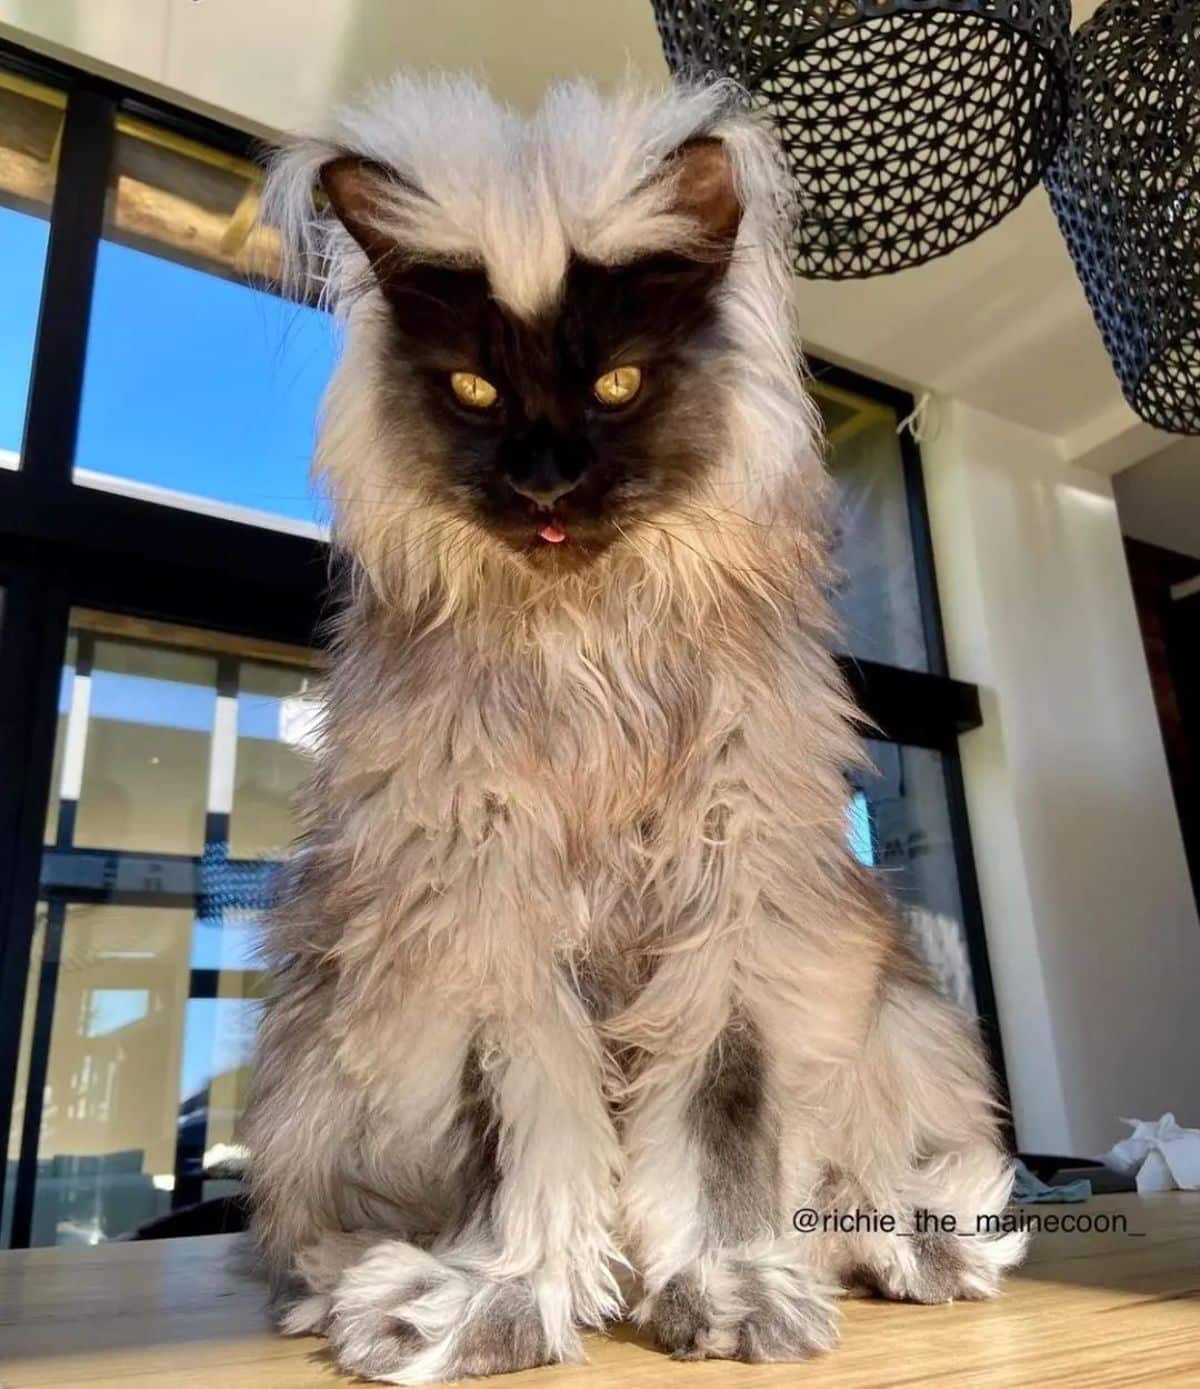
{"points": [[579, 992]]}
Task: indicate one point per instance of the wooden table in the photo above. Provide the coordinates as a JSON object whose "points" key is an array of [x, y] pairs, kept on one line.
{"points": [[1087, 1310]]}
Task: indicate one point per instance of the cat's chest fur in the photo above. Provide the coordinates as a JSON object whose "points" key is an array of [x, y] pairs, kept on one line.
{"points": [[585, 733]]}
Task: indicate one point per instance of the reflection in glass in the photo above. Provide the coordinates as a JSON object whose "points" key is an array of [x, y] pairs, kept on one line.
{"points": [[142, 748], [214, 1085], [219, 415], [177, 752], [31, 118], [106, 1149], [876, 598], [900, 823], [276, 723]]}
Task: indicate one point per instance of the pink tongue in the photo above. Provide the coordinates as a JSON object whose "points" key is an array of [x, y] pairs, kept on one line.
{"points": [[552, 534]]}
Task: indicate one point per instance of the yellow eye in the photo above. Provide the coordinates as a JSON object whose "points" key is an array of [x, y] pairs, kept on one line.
{"points": [[618, 386], [473, 390]]}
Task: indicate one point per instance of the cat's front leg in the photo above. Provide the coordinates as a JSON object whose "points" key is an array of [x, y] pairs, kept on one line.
{"points": [[725, 1148], [912, 1132], [531, 1260], [703, 1207]]}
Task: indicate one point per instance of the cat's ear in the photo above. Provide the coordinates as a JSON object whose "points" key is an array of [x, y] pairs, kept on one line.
{"points": [[701, 189], [704, 191], [357, 192], [432, 303], [675, 284]]}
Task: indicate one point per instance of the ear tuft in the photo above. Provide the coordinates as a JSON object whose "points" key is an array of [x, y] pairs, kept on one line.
{"points": [[356, 188], [705, 192]]}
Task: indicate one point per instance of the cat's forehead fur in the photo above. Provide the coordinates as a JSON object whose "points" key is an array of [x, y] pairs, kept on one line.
{"points": [[479, 184]]}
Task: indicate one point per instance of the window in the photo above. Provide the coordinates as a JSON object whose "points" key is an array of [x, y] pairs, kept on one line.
{"points": [[176, 754], [222, 412], [163, 575], [902, 826], [876, 597], [31, 122]]}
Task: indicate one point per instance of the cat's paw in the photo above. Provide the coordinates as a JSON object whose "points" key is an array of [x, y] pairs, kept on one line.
{"points": [[304, 1306], [403, 1317], [741, 1309], [934, 1267]]}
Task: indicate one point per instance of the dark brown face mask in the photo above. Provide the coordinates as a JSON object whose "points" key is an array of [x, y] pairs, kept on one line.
{"points": [[556, 431]]}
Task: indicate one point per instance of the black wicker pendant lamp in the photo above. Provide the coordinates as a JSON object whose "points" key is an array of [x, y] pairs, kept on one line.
{"points": [[1126, 189], [911, 125]]}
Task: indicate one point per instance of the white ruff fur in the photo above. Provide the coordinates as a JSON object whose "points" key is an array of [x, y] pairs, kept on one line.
{"points": [[575, 837]]}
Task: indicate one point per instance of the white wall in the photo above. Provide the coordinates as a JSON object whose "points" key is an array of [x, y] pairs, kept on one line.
{"points": [[284, 64], [1092, 926]]}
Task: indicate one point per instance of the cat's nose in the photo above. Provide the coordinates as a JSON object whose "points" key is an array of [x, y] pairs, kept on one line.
{"points": [[544, 483]]}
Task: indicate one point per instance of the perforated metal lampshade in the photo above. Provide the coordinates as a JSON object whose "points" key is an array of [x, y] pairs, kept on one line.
{"points": [[911, 126], [1126, 190]]}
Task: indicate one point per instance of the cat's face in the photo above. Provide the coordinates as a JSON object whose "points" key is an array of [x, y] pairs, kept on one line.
{"points": [[558, 432]]}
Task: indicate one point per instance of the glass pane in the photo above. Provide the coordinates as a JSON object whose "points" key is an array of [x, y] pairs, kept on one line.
{"points": [[201, 386], [31, 119], [175, 747], [276, 724], [131, 773], [66, 685], [900, 823], [106, 1153], [214, 1083], [876, 598]]}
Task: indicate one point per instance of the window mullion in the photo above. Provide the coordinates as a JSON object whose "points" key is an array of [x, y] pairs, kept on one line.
{"points": [[32, 641], [76, 222]]}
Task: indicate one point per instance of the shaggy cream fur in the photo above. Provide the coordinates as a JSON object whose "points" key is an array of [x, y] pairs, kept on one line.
{"points": [[579, 990]]}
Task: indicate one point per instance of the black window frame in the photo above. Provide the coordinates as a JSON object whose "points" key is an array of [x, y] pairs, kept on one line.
{"points": [[65, 545]]}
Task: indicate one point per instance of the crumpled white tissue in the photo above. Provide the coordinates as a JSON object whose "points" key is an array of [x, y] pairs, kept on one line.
{"points": [[1163, 1155]]}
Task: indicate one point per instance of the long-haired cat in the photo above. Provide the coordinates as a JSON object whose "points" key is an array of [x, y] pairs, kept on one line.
{"points": [[579, 992]]}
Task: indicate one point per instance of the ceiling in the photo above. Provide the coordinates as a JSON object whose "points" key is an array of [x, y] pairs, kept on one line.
{"points": [[1001, 323]]}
